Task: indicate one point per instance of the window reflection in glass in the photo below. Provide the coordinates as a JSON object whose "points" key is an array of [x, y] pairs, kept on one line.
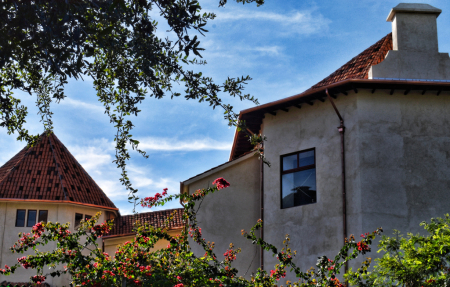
{"points": [[20, 217], [290, 162], [306, 158], [298, 179], [31, 221], [299, 188]]}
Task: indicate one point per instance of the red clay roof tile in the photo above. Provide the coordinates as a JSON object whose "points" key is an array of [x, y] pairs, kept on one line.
{"points": [[356, 68], [48, 171], [124, 224], [359, 66]]}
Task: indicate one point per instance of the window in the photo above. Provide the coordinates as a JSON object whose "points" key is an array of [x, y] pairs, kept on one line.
{"points": [[43, 215], [20, 217], [78, 218], [298, 178], [31, 220]]}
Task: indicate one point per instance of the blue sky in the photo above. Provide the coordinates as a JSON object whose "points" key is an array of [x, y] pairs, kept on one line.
{"points": [[285, 46]]}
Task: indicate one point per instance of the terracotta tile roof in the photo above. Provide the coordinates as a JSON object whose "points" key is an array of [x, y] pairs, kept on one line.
{"points": [[22, 284], [358, 67], [48, 171], [355, 69], [124, 224]]}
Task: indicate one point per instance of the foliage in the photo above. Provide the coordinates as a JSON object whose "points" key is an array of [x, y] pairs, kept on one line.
{"points": [[114, 42], [417, 260], [136, 264]]}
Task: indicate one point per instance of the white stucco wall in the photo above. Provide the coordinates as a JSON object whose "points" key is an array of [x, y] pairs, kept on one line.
{"points": [[405, 151], [9, 234], [397, 166], [225, 213], [316, 229]]}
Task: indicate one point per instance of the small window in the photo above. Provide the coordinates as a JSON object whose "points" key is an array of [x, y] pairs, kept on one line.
{"points": [[20, 217], [78, 218], [31, 220], [87, 217], [43, 215], [298, 179]]}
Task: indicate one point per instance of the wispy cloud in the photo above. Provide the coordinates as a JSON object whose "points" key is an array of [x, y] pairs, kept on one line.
{"points": [[79, 104], [301, 22], [166, 144], [97, 155], [269, 50]]}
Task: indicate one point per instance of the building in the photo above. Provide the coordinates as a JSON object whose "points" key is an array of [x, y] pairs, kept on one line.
{"points": [[46, 183], [368, 146], [122, 230]]}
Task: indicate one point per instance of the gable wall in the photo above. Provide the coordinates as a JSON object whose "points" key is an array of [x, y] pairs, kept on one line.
{"points": [[226, 212]]}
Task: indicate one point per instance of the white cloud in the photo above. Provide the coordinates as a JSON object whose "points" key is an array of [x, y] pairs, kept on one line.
{"points": [[272, 50], [94, 156], [79, 104], [166, 144], [112, 188], [300, 22]]}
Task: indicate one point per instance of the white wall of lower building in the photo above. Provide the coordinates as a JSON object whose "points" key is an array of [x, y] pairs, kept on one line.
{"points": [[62, 213]]}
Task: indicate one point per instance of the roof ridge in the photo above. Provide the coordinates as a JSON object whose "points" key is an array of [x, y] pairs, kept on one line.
{"points": [[124, 224], [153, 212], [355, 69], [358, 66], [57, 167], [85, 172], [48, 171]]}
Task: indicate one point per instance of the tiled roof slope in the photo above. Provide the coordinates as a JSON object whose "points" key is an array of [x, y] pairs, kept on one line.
{"points": [[355, 69], [358, 67], [48, 171], [124, 224]]}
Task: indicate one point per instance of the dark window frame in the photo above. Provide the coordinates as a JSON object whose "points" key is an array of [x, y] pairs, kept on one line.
{"points": [[293, 170], [75, 221], [40, 217], [28, 217], [24, 218]]}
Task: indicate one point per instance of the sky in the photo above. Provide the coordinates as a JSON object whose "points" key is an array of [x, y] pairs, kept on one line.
{"points": [[286, 46]]}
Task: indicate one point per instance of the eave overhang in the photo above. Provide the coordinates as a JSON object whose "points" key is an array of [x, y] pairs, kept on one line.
{"points": [[253, 117], [134, 233], [57, 202]]}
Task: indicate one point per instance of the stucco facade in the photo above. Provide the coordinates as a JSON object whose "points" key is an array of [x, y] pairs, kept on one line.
{"points": [[397, 150], [394, 101], [63, 213], [225, 213]]}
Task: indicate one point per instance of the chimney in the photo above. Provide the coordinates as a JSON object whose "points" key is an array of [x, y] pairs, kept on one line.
{"points": [[414, 27], [415, 54]]}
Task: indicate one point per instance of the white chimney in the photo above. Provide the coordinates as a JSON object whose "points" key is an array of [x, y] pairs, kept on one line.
{"points": [[415, 53]]}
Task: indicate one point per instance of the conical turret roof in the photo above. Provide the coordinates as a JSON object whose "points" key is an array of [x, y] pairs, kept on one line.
{"points": [[49, 172]]}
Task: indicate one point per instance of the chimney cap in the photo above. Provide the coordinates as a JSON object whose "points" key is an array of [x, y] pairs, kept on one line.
{"points": [[413, 8]]}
